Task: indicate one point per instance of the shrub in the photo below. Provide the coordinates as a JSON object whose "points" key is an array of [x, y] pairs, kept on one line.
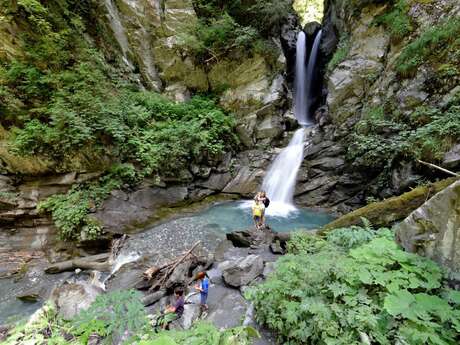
{"points": [[332, 296], [436, 41], [70, 212], [397, 20], [205, 333], [118, 315]]}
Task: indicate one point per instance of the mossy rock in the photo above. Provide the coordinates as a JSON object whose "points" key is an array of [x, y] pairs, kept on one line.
{"points": [[388, 211]]}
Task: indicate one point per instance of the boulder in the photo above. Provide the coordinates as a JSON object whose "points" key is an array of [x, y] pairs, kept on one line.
{"points": [[245, 129], [433, 229], [452, 158], [311, 28], [246, 182], [216, 182], [70, 299], [226, 307], [191, 314], [270, 127], [123, 211], [243, 271], [240, 238]]}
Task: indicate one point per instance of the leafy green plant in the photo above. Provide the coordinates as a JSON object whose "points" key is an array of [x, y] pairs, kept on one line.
{"points": [[205, 333], [332, 295], [397, 20], [439, 40], [47, 328], [116, 315]]}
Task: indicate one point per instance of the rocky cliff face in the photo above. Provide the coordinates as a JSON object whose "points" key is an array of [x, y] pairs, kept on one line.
{"points": [[355, 154], [433, 229]]}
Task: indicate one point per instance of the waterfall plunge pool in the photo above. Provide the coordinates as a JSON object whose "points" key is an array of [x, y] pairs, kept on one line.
{"points": [[236, 215]]}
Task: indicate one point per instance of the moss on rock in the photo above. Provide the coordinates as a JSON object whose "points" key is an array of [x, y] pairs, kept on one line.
{"points": [[388, 211]]}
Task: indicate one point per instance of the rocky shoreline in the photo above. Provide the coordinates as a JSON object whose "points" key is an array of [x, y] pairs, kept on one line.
{"points": [[233, 263]]}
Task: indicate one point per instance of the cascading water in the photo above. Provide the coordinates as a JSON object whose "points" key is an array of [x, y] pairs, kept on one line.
{"points": [[118, 30], [310, 75], [279, 183], [300, 101]]}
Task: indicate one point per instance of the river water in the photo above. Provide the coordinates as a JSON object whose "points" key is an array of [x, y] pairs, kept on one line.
{"points": [[162, 243]]}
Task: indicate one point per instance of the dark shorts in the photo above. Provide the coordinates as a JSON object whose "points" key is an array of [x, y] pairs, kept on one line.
{"points": [[257, 218], [203, 298]]}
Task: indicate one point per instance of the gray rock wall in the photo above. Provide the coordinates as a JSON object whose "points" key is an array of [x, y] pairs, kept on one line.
{"points": [[433, 230]]}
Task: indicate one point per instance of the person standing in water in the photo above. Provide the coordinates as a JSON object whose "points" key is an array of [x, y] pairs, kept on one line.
{"points": [[258, 210], [262, 197]]}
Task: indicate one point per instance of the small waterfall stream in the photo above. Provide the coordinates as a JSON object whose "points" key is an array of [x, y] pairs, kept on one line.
{"points": [[280, 181], [118, 30]]}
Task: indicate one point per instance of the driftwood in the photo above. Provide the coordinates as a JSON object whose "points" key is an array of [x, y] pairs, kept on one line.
{"points": [[438, 167], [92, 262], [163, 273]]}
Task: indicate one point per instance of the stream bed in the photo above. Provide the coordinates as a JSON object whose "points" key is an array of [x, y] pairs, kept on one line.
{"points": [[161, 243]]}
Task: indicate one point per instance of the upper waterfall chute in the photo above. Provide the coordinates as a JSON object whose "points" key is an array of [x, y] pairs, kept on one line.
{"points": [[300, 87]]}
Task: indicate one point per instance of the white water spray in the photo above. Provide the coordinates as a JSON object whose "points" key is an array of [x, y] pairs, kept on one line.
{"points": [[279, 183]]}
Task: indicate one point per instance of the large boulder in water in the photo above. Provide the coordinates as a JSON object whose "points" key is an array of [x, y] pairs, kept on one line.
{"points": [[433, 230], [243, 271]]}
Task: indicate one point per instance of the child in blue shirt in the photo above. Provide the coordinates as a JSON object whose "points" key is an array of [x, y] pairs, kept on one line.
{"points": [[203, 287]]}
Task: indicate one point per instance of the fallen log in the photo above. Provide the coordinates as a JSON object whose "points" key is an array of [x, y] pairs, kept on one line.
{"points": [[153, 297], [92, 262], [431, 165]]}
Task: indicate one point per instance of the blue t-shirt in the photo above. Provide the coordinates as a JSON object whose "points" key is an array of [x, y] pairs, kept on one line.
{"points": [[205, 285]]}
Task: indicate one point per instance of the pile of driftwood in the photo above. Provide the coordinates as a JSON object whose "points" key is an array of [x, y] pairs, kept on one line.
{"points": [[179, 273]]}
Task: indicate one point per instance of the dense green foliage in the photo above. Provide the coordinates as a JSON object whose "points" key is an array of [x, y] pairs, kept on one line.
{"points": [[440, 43], [397, 20], [120, 317], [232, 26], [205, 333], [61, 101], [427, 134], [354, 285], [62, 98]]}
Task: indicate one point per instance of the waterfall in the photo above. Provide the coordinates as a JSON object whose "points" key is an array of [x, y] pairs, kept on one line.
{"points": [[300, 87], [118, 30], [280, 181], [310, 75]]}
